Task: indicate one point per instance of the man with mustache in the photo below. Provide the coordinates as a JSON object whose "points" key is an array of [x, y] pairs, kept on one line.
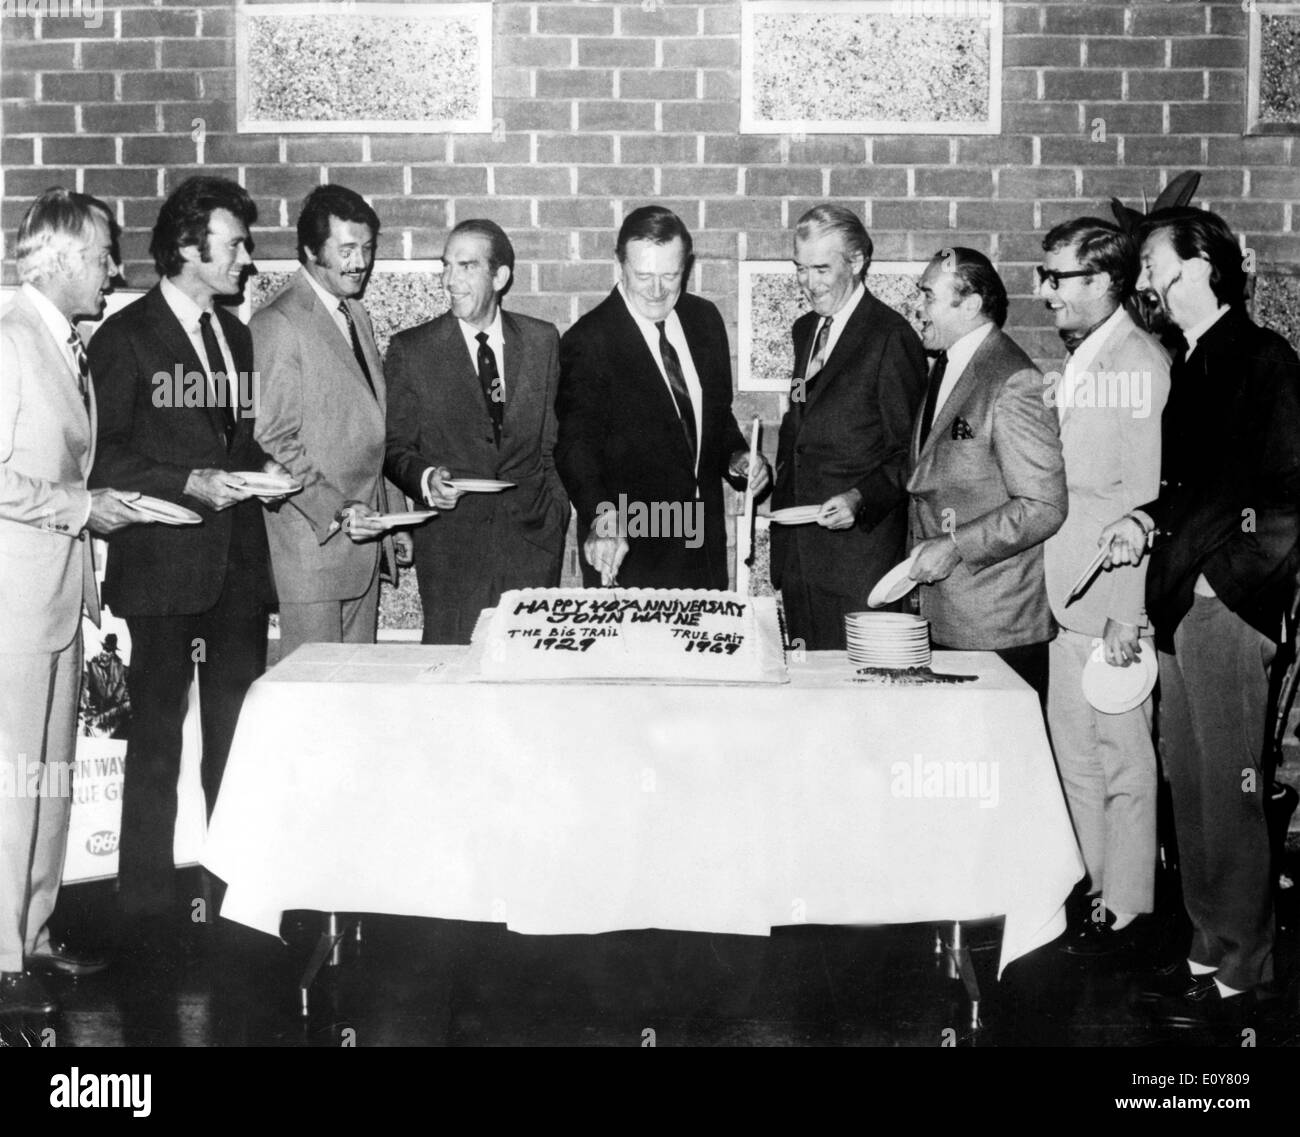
{"points": [[472, 395], [64, 253], [1110, 440], [1222, 534], [190, 594], [323, 402]]}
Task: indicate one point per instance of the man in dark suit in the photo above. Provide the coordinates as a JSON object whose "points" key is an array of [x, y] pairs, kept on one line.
{"points": [[1223, 537], [646, 429], [471, 394], [858, 382], [173, 372], [988, 480]]}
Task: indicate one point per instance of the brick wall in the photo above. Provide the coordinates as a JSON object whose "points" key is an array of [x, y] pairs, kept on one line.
{"points": [[604, 106]]}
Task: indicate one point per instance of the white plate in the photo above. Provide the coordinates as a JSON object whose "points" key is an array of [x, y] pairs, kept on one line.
{"points": [[165, 511], [412, 517], [479, 485], [266, 485], [795, 515], [1114, 690], [894, 585]]}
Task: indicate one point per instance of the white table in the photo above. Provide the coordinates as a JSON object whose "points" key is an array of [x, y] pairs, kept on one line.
{"points": [[382, 778]]}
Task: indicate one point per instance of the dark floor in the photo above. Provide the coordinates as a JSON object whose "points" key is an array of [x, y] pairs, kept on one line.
{"points": [[434, 982]]}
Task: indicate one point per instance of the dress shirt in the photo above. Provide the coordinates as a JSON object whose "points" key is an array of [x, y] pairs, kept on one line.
{"points": [[331, 303], [959, 355], [838, 320], [188, 313], [59, 324], [1080, 360], [676, 337], [497, 342]]}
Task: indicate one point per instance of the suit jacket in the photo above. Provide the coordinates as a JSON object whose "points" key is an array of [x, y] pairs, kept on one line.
{"points": [[147, 442], [438, 416], [47, 446], [1229, 501], [850, 431], [1112, 465], [620, 434], [318, 418], [990, 473]]}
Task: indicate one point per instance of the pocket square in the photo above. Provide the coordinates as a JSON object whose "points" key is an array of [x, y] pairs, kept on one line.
{"points": [[961, 429]]}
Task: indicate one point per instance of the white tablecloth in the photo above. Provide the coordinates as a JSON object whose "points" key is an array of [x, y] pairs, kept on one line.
{"points": [[381, 778]]}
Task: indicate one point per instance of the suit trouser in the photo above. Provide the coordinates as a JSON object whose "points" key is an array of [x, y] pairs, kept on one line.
{"points": [[814, 614], [39, 694], [330, 621], [229, 644], [453, 598], [1108, 770], [1214, 697]]}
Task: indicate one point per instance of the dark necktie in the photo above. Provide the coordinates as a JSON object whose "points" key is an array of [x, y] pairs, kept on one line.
{"points": [[818, 359], [677, 383], [83, 368], [217, 369], [489, 379], [356, 346], [932, 395]]}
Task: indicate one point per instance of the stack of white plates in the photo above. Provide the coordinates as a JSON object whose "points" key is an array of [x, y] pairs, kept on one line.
{"points": [[887, 639]]}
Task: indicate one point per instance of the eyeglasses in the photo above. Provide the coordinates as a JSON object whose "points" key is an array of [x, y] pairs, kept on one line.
{"points": [[1054, 278]]}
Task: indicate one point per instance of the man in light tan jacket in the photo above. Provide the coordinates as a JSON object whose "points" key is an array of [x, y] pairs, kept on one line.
{"points": [[1109, 398]]}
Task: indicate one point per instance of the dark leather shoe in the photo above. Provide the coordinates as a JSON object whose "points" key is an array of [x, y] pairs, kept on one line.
{"points": [[58, 958], [1101, 942], [1166, 982], [21, 993], [1202, 1007]]}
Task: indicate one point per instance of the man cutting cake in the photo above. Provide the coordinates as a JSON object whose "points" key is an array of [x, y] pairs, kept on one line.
{"points": [[645, 418]]}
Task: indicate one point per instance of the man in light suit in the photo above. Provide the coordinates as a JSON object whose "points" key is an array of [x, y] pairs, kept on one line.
{"points": [[47, 575], [176, 422], [987, 484], [321, 416], [646, 428], [472, 395], [859, 380], [1109, 400], [1224, 539]]}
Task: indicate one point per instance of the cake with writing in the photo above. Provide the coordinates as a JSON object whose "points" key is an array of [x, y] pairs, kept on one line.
{"points": [[632, 633]]}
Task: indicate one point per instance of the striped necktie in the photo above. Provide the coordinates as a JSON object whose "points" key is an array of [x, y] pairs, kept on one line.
{"points": [[681, 393], [83, 367]]}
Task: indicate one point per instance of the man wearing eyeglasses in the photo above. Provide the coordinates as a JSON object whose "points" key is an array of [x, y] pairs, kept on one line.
{"points": [[1108, 399], [1222, 534]]}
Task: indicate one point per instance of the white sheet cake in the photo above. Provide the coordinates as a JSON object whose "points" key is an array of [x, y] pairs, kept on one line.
{"points": [[632, 633]]}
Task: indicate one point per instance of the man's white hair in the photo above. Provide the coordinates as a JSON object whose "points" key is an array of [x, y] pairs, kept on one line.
{"points": [[55, 226]]}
